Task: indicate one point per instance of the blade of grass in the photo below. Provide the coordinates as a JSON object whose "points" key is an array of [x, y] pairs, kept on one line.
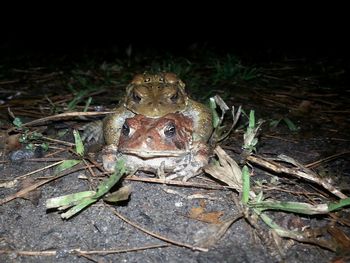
{"points": [[301, 208], [79, 201], [66, 164], [299, 236], [87, 104], [337, 205], [246, 184], [216, 118], [105, 186], [79, 146], [290, 124], [77, 208], [68, 200]]}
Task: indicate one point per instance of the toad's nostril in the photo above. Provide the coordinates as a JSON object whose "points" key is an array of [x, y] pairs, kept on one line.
{"points": [[149, 139]]}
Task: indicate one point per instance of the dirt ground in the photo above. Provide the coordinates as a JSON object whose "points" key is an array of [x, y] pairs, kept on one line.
{"points": [[312, 94]]}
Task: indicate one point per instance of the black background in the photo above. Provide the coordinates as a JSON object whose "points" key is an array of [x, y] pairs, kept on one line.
{"points": [[284, 29]]}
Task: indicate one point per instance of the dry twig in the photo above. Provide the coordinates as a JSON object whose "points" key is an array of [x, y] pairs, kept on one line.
{"points": [[180, 244], [178, 183], [276, 167], [79, 251], [313, 164], [63, 116], [34, 186]]}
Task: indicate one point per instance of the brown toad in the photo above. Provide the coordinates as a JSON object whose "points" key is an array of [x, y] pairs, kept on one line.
{"points": [[159, 146], [152, 95]]}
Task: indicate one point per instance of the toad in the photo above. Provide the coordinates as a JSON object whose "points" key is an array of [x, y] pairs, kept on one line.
{"points": [[159, 146], [152, 95]]}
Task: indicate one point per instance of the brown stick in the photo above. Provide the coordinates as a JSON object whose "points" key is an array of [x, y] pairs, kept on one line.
{"points": [[179, 183], [273, 166], [80, 252], [180, 244], [35, 186], [120, 250], [325, 159], [64, 115]]}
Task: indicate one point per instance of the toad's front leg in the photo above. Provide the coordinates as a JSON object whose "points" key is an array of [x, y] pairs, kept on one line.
{"points": [[192, 163]]}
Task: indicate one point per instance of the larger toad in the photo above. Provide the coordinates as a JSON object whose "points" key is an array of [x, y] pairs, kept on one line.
{"points": [[153, 95], [158, 145]]}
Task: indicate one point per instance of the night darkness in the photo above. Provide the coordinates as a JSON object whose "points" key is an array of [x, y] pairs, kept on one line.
{"points": [[285, 31]]}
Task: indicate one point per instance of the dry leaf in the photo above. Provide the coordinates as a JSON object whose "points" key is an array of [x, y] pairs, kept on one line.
{"points": [[195, 212], [342, 240], [12, 142], [208, 236], [198, 213], [227, 170], [121, 194], [304, 106], [32, 196]]}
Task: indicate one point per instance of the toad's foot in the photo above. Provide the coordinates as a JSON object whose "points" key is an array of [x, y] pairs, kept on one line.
{"points": [[161, 171], [109, 158], [92, 131], [187, 171]]}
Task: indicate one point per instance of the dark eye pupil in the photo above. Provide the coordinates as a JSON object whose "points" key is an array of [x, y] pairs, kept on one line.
{"points": [[174, 97], [126, 129], [170, 131], [136, 97]]}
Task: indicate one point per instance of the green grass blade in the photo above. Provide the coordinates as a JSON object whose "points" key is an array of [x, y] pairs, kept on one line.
{"points": [[290, 124], [295, 207], [66, 164], [279, 230], [79, 146], [87, 104], [216, 118], [246, 184], [77, 208], [105, 186], [68, 200], [337, 205], [252, 119]]}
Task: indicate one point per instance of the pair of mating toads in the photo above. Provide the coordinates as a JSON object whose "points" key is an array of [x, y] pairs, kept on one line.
{"points": [[156, 129]]}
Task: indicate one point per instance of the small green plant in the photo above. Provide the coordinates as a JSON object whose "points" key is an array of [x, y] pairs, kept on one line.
{"points": [[231, 68], [182, 67], [27, 137], [220, 131], [250, 136], [78, 201], [85, 86], [78, 97], [17, 122], [291, 126], [248, 74], [258, 205]]}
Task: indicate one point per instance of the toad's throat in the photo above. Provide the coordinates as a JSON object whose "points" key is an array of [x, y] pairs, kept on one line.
{"points": [[149, 154]]}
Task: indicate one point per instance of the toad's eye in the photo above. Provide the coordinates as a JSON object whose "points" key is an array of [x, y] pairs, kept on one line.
{"points": [[174, 97], [170, 130], [136, 98], [126, 129]]}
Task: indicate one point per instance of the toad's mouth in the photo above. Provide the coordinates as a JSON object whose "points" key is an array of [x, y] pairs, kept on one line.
{"points": [[149, 154]]}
